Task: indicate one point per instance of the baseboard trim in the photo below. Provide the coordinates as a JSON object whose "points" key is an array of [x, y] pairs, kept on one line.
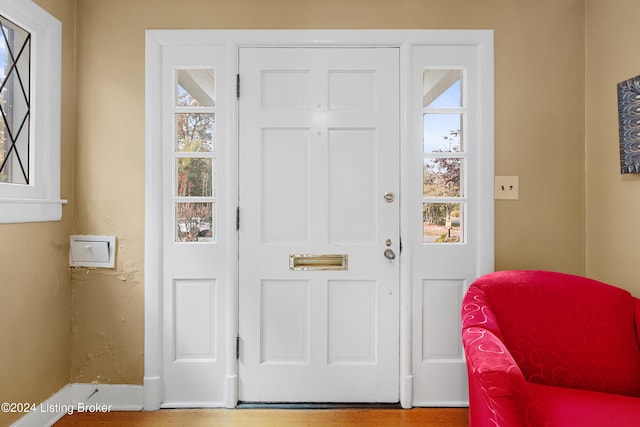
{"points": [[49, 411], [406, 391], [231, 391], [152, 393], [442, 404], [121, 397], [84, 398], [191, 405]]}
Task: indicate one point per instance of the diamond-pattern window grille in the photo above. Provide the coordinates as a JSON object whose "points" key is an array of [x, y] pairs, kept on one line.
{"points": [[15, 64]]}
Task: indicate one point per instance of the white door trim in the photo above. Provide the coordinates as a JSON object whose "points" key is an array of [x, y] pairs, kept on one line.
{"points": [[482, 40]]}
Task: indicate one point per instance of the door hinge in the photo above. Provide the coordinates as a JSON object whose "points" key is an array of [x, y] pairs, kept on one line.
{"points": [[400, 244], [238, 86], [238, 347], [238, 218]]}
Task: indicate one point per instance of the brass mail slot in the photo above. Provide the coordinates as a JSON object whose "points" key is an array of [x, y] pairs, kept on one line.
{"points": [[319, 262]]}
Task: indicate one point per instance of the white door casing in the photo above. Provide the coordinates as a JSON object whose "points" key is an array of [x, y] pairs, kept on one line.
{"points": [[319, 148], [420, 277]]}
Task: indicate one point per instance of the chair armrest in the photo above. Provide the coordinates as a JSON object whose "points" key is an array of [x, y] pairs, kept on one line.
{"points": [[498, 392]]}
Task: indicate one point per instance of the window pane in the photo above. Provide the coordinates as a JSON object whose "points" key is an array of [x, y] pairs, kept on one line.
{"points": [[194, 222], [443, 133], [15, 63], [195, 177], [442, 222], [195, 88], [442, 178], [195, 132], [442, 88]]}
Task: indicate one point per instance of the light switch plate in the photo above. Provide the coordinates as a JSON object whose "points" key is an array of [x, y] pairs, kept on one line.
{"points": [[506, 188]]}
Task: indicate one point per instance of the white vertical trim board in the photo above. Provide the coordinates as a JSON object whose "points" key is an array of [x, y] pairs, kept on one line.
{"points": [[153, 227], [83, 398]]}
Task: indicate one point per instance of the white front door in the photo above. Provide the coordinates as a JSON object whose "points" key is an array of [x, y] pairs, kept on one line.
{"points": [[319, 241]]}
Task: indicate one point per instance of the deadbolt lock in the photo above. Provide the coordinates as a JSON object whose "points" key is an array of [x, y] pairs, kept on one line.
{"points": [[389, 197]]}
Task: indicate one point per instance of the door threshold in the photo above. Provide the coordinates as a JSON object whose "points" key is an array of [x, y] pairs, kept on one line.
{"points": [[313, 405]]}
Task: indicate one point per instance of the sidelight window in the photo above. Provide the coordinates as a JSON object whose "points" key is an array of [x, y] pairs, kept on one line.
{"points": [[195, 155], [444, 156]]}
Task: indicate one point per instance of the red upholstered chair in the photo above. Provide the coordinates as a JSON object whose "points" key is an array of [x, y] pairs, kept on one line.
{"points": [[551, 349]]}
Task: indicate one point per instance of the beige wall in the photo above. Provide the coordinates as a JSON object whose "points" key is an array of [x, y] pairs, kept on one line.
{"points": [[613, 199], [35, 325], [539, 48], [539, 136]]}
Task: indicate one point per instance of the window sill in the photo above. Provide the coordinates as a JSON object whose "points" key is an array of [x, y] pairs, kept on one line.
{"points": [[30, 210]]}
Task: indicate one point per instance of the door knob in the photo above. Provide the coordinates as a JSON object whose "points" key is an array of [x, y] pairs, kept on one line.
{"points": [[389, 254]]}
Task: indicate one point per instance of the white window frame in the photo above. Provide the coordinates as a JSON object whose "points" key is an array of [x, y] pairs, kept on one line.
{"points": [[39, 200]]}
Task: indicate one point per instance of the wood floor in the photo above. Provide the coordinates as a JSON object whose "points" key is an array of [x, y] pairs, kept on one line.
{"points": [[437, 417]]}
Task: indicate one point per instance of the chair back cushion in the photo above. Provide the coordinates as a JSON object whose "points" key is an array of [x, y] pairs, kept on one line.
{"points": [[566, 330]]}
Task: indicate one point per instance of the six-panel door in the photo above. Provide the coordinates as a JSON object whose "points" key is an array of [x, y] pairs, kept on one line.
{"points": [[319, 149]]}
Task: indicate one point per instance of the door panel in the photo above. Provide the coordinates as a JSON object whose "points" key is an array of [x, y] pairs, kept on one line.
{"points": [[352, 322], [195, 306], [319, 148], [284, 182], [285, 321], [352, 186]]}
